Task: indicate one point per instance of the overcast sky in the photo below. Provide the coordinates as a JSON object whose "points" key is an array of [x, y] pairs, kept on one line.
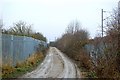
{"points": [[51, 17]]}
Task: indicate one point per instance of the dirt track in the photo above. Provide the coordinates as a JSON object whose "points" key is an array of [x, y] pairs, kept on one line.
{"points": [[55, 65]]}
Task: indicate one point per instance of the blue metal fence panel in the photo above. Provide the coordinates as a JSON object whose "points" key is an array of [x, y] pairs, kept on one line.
{"points": [[96, 51], [18, 48], [6, 48]]}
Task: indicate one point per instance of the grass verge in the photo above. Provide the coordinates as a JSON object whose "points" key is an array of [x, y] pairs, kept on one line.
{"points": [[10, 71]]}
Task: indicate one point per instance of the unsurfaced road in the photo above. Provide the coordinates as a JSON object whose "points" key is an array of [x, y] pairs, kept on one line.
{"points": [[55, 65]]}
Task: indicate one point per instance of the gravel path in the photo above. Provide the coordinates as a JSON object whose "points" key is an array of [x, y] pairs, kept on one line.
{"points": [[55, 65]]}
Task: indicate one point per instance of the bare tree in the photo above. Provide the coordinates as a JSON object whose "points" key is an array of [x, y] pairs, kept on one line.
{"points": [[70, 28], [77, 26], [20, 28], [73, 40], [73, 27], [109, 60]]}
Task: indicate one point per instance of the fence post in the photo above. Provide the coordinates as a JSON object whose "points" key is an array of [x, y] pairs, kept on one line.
{"points": [[24, 52], [0, 54], [12, 54]]}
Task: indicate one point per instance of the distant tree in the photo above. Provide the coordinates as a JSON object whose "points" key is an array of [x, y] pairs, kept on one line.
{"points": [[38, 36], [70, 28], [79, 34], [1, 25], [73, 27], [23, 29], [29, 30], [82, 35], [73, 40], [20, 28]]}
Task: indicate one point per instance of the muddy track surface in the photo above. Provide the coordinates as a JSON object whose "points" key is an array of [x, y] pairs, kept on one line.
{"points": [[55, 65]]}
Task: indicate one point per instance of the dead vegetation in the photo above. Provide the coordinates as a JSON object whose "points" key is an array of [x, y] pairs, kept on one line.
{"points": [[10, 71], [104, 64]]}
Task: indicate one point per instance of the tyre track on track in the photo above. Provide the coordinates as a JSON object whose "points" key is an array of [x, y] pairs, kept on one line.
{"points": [[55, 65]]}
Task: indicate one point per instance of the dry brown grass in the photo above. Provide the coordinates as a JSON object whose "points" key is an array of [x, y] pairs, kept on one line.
{"points": [[10, 71]]}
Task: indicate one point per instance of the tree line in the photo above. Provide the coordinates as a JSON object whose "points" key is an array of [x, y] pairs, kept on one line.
{"points": [[21, 28]]}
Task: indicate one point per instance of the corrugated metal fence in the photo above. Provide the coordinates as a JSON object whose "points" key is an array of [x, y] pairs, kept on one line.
{"points": [[18, 48]]}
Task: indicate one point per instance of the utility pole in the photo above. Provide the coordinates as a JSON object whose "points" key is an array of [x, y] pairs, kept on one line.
{"points": [[102, 21], [119, 14], [119, 27]]}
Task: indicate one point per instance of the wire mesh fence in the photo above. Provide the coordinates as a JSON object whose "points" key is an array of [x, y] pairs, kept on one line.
{"points": [[18, 48]]}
